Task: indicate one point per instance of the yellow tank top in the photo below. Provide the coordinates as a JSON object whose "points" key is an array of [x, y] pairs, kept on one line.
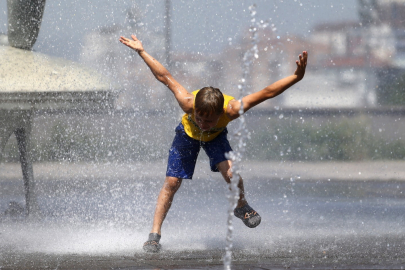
{"points": [[193, 130]]}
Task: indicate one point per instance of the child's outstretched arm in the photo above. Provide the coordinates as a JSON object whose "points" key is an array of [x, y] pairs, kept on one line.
{"points": [[183, 97], [270, 91]]}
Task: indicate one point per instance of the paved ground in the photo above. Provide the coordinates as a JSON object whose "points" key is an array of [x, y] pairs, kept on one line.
{"points": [[190, 261], [315, 216]]}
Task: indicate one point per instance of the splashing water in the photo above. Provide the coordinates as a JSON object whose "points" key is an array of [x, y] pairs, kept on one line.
{"points": [[241, 133]]}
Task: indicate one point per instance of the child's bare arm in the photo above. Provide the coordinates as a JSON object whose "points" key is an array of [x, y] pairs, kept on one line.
{"points": [[270, 91], [183, 97]]}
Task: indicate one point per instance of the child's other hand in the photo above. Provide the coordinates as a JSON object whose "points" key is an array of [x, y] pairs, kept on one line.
{"points": [[135, 43], [301, 65]]}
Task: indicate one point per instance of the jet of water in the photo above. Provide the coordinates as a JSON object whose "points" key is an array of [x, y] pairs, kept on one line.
{"points": [[242, 133]]}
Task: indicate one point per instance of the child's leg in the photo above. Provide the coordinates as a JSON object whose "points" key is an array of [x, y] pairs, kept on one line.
{"points": [[243, 211], [181, 163], [163, 204], [164, 201], [225, 168]]}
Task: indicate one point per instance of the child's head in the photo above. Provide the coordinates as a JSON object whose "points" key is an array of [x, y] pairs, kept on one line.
{"points": [[209, 101], [209, 106]]}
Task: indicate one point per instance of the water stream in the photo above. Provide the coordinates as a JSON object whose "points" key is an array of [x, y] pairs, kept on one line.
{"points": [[241, 133]]}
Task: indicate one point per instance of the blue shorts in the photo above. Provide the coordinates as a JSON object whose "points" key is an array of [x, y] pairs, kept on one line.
{"points": [[184, 151]]}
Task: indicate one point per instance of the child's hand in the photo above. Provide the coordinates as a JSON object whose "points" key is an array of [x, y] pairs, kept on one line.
{"points": [[135, 44], [301, 65]]}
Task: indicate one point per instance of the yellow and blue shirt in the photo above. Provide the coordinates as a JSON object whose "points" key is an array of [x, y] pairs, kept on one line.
{"points": [[193, 130]]}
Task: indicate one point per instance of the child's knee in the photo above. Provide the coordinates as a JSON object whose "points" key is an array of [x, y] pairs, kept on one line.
{"points": [[172, 183], [225, 167]]}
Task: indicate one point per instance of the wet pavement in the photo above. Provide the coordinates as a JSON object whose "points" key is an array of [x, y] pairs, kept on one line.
{"points": [[194, 260], [314, 216]]}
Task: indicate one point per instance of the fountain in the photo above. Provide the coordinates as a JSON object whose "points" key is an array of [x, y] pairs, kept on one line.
{"points": [[323, 214], [31, 82], [241, 134]]}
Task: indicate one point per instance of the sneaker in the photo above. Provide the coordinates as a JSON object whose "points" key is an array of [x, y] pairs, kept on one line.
{"points": [[152, 245], [249, 216]]}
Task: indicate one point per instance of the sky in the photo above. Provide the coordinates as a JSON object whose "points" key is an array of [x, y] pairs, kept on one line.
{"points": [[204, 26]]}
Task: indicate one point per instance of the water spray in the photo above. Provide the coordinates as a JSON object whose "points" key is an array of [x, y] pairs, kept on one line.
{"points": [[241, 134]]}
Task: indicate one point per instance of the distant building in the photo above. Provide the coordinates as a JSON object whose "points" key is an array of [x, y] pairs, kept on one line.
{"points": [[349, 62], [392, 12], [195, 71], [335, 77], [103, 51], [344, 67], [276, 59], [384, 21]]}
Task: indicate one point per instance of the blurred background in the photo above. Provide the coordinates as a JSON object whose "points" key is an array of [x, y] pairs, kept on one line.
{"points": [[348, 107], [324, 160]]}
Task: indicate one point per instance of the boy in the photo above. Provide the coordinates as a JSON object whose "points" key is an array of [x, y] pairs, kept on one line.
{"points": [[207, 113]]}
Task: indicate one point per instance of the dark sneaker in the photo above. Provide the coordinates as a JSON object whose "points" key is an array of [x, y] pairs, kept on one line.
{"points": [[249, 216], [152, 245]]}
